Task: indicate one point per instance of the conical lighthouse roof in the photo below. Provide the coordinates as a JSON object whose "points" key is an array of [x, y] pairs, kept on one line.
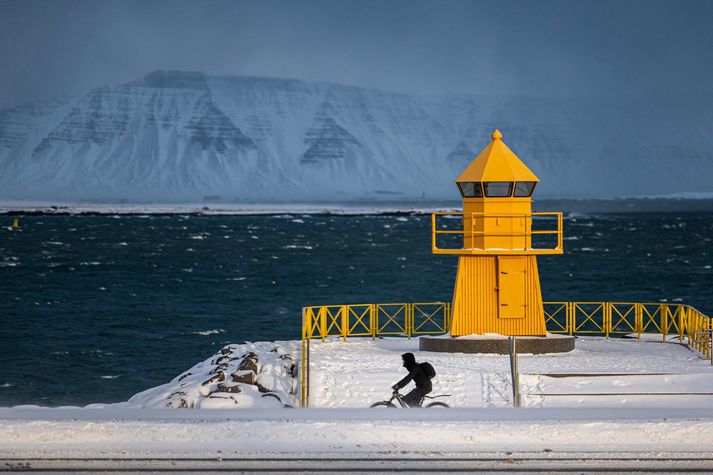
{"points": [[496, 163]]}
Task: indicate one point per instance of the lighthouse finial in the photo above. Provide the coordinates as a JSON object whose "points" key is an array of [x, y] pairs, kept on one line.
{"points": [[496, 135]]}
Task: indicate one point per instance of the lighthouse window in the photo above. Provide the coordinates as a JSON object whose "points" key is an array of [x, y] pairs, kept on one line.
{"points": [[523, 189], [470, 190], [498, 189]]}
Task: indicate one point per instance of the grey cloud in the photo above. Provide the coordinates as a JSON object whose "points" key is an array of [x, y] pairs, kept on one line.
{"points": [[543, 48]]}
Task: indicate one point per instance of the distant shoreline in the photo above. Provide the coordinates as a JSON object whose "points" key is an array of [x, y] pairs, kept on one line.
{"points": [[600, 205]]}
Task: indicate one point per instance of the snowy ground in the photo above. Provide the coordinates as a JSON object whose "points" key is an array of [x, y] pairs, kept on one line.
{"points": [[599, 372], [613, 396]]}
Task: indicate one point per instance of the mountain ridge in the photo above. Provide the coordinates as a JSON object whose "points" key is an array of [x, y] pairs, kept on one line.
{"points": [[185, 135]]}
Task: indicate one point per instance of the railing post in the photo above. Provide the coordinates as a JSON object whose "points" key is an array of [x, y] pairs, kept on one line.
{"points": [[408, 323], [709, 328], [515, 375], [307, 317], [323, 322], [345, 321], [638, 319], [307, 376], [372, 321], [570, 317], [606, 310], [447, 318], [704, 325], [663, 319], [303, 362]]}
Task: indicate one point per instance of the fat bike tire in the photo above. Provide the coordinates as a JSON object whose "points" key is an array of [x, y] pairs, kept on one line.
{"points": [[382, 404], [437, 404]]}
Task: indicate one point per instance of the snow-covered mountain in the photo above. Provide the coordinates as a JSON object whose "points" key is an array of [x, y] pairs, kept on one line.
{"points": [[184, 136]]}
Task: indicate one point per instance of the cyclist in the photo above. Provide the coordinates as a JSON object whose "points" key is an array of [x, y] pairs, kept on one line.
{"points": [[419, 376]]}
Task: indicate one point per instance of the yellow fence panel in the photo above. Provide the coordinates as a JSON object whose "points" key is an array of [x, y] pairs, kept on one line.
{"points": [[359, 320], [392, 319], [589, 317], [623, 318], [332, 321], [557, 317], [430, 318], [651, 317]]}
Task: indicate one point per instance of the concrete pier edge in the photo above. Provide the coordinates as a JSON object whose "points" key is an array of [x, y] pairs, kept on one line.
{"points": [[535, 345]]}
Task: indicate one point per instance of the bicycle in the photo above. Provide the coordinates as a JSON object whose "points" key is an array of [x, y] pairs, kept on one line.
{"points": [[400, 399]]}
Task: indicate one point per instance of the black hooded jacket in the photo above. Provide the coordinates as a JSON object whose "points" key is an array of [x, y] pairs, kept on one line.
{"points": [[418, 375]]}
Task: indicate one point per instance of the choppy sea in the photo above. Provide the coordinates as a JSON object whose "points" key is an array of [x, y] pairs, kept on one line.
{"points": [[97, 308]]}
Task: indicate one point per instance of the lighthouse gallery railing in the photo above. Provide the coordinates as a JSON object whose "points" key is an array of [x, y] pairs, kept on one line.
{"points": [[573, 318], [467, 226]]}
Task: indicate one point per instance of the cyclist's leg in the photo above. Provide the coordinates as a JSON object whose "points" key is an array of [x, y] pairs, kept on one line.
{"points": [[414, 398]]}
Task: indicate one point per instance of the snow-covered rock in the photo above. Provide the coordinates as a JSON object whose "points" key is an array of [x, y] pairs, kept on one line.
{"points": [[261, 374], [180, 136]]}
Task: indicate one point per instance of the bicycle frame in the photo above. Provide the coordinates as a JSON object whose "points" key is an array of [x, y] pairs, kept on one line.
{"points": [[402, 402], [399, 397]]}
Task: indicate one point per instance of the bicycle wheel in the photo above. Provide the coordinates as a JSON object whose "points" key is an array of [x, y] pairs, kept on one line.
{"points": [[382, 404], [438, 404]]}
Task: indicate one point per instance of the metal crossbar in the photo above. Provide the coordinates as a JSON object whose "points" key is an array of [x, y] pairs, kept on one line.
{"points": [[623, 318], [359, 313], [334, 319], [649, 317], [595, 316], [427, 314], [557, 319], [394, 315]]}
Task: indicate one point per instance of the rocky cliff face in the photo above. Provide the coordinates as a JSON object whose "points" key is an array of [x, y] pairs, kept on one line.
{"points": [[179, 136]]}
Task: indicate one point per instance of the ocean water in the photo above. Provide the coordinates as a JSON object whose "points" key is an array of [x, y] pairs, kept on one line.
{"points": [[97, 308]]}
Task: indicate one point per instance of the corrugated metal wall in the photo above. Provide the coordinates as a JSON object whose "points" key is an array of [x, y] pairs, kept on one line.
{"points": [[475, 300]]}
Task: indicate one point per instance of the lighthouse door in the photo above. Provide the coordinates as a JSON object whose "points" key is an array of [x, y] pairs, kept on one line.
{"points": [[511, 286]]}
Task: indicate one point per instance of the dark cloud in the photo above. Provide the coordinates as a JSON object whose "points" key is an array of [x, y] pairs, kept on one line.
{"points": [[562, 48]]}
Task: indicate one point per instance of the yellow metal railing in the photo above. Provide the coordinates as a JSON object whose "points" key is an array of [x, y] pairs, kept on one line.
{"points": [[434, 318], [374, 320], [476, 221]]}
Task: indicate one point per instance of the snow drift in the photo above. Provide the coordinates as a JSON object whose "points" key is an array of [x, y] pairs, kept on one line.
{"points": [[261, 375]]}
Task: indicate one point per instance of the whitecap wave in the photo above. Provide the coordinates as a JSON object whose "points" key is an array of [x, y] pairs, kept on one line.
{"points": [[209, 332]]}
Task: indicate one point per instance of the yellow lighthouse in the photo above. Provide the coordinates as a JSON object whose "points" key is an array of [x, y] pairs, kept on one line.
{"points": [[497, 287]]}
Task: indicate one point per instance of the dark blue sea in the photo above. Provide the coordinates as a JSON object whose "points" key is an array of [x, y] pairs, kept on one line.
{"points": [[97, 308]]}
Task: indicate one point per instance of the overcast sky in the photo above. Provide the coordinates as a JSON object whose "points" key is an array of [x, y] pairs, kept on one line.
{"points": [[583, 48]]}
